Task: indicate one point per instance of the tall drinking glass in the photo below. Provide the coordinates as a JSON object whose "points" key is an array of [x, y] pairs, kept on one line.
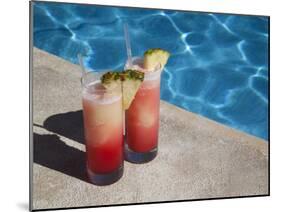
{"points": [[103, 130], [142, 117]]}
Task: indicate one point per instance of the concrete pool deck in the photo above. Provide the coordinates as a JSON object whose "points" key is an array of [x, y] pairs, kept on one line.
{"points": [[197, 159]]}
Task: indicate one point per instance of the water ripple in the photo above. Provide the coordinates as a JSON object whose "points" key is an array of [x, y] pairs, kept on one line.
{"points": [[239, 45]]}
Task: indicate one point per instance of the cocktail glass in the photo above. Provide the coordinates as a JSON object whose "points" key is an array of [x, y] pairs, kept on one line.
{"points": [[142, 117], [103, 130]]}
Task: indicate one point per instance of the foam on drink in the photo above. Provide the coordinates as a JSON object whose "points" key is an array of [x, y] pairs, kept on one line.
{"points": [[96, 93]]}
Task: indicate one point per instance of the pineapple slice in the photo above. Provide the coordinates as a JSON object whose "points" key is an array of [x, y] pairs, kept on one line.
{"points": [[155, 57], [130, 80], [111, 80]]}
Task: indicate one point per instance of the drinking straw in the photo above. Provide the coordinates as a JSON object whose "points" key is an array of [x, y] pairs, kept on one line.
{"points": [[129, 55], [128, 44], [80, 60]]}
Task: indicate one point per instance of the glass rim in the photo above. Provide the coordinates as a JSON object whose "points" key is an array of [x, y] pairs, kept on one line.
{"points": [[147, 75], [94, 81]]}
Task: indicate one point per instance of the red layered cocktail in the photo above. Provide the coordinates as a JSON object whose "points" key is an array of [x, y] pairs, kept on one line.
{"points": [[103, 131], [142, 117]]}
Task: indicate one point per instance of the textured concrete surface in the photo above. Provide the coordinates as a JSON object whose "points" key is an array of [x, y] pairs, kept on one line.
{"points": [[198, 158]]}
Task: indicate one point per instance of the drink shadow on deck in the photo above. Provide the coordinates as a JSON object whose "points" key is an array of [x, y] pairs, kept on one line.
{"points": [[50, 151], [69, 125]]}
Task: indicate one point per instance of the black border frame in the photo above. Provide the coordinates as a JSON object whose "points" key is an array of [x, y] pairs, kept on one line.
{"points": [[31, 109]]}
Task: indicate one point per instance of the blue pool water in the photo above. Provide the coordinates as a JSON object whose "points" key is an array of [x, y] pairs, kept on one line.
{"points": [[218, 66]]}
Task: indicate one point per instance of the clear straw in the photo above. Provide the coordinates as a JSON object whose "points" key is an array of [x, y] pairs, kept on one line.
{"points": [[80, 59], [128, 44]]}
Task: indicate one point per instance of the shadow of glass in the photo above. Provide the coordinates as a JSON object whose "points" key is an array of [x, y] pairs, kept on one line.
{"points": [[68, 124], [51, 152]]}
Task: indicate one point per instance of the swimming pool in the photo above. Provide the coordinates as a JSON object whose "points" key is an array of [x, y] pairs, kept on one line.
{"points": [[218, 66]]}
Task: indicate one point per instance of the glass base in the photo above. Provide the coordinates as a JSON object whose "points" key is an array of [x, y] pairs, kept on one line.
{"points": [[105, 179], [139, 157]]}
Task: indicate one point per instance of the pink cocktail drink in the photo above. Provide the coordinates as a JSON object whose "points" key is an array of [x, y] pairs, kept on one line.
{"points": [[142, 118], [103, 131]]}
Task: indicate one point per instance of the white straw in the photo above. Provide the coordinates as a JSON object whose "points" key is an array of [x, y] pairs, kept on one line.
{"points": [[80, 59], [128, 44]]}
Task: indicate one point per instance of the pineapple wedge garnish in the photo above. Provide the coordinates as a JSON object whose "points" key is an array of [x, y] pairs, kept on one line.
{"points": [[153, 58], [130, 81]]}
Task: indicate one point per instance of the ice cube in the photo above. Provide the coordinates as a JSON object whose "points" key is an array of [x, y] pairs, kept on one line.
{"points": [[146, 118]]}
